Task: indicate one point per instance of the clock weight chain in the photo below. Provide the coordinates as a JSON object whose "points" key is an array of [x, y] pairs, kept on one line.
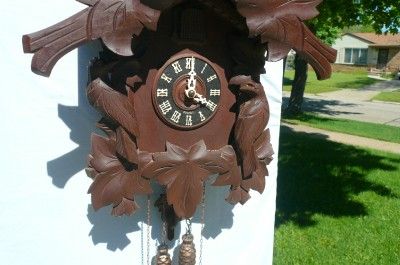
{"points": [[187, 250], [163, 257]]}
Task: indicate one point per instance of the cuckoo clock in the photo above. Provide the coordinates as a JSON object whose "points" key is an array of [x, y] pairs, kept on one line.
{"points": [[177, 84]]}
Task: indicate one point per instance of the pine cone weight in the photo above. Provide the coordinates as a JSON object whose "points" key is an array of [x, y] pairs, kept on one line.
{"points": [[187, 251]]}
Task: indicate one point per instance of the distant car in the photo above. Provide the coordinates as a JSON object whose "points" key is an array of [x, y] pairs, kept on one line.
{"points": [[398, 75]]}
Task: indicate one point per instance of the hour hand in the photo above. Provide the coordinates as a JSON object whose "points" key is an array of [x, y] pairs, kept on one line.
{"points": [[200, 99]]}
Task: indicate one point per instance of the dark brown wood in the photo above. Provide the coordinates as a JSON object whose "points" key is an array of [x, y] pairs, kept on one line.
{"points": [[184, 171], [251, 139], [154, 132], [116, 180], [104, 99], [140, 37], [114, 21], [279, 24]]}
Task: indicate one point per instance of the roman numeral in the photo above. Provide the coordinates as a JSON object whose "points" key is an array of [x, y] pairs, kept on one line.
{"points": [[204, 68], [211, 105], [176, 116], [189, 120], [189, 63], [211, 78], [202, 118], [166, 78], [162, 92], [177, 67], [215, 92], [165, 107]]}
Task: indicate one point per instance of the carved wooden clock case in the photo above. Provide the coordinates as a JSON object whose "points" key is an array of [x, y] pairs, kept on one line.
{"points": [[178, 87]]}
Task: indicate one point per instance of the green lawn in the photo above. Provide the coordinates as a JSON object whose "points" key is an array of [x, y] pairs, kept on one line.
{"points": [[339, 80], [365, 129], [393, 96], [336, 204]]}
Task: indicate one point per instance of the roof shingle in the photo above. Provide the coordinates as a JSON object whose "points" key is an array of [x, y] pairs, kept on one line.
{"points": [[389, 39]]}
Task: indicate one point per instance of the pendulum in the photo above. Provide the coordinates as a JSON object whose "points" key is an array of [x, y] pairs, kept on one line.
{"points": [[163, 257], [187, 251]]}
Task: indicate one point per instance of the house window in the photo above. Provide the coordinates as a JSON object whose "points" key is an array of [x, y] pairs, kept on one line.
{"points": [[355, 56]]}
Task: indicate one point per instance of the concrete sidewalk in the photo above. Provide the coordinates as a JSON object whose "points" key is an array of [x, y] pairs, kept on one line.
{"points": [[354, 104], [346, 138]]}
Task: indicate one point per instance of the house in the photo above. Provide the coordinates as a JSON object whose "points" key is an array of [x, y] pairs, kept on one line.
{"points": [[369, 49]]}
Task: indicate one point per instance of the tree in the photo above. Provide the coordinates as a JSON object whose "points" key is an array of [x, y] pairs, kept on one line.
{"points": [[382, 16]]}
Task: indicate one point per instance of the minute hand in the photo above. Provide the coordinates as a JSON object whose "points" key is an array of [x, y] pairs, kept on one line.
{"points": [[191, 86]]}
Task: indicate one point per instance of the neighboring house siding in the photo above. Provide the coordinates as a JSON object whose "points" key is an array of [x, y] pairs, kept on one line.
{"points": [[348, 42]]}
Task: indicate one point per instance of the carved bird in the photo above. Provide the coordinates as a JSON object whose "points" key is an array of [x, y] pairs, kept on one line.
{"points": [[114, 21], [251, 121]]}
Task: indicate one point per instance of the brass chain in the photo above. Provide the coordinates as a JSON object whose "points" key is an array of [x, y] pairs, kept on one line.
{"points": [[148, 228], [203, 215]]}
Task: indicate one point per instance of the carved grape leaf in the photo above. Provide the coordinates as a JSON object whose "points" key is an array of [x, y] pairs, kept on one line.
{"points": [[113, 183], [184, 171], [113, 104]]}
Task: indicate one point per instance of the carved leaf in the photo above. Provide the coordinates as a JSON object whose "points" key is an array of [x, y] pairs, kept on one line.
{"points": [[236, 195], [102, 157], [113, 104], [114, 21], [184, 171], [263, 16], [264, 152], [113, 183], [127, 206], [279, 23]]}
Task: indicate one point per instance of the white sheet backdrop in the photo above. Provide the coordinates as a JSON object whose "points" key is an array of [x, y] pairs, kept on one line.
{"points": [[45, 216]]}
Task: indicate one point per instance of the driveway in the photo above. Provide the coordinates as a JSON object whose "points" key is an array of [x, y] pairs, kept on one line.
{"points": [[354, 104]]}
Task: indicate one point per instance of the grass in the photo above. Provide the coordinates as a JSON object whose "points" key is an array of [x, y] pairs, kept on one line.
{"points": [[336, 204], [365, 129], [393, 96], [339, 80]]}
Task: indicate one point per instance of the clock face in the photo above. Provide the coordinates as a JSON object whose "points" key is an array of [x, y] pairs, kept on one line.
{"points": [[187, 92]]}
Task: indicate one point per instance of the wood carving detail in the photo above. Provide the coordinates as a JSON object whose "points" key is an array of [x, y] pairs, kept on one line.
{"points": [[234, 145], [116, 180], [251, 138], [114, 21], [279, 24], [104, 99], [184, 172]]}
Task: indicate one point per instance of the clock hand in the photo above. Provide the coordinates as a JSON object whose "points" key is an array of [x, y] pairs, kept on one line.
{"points": [[190, 92], [200, 99]]}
